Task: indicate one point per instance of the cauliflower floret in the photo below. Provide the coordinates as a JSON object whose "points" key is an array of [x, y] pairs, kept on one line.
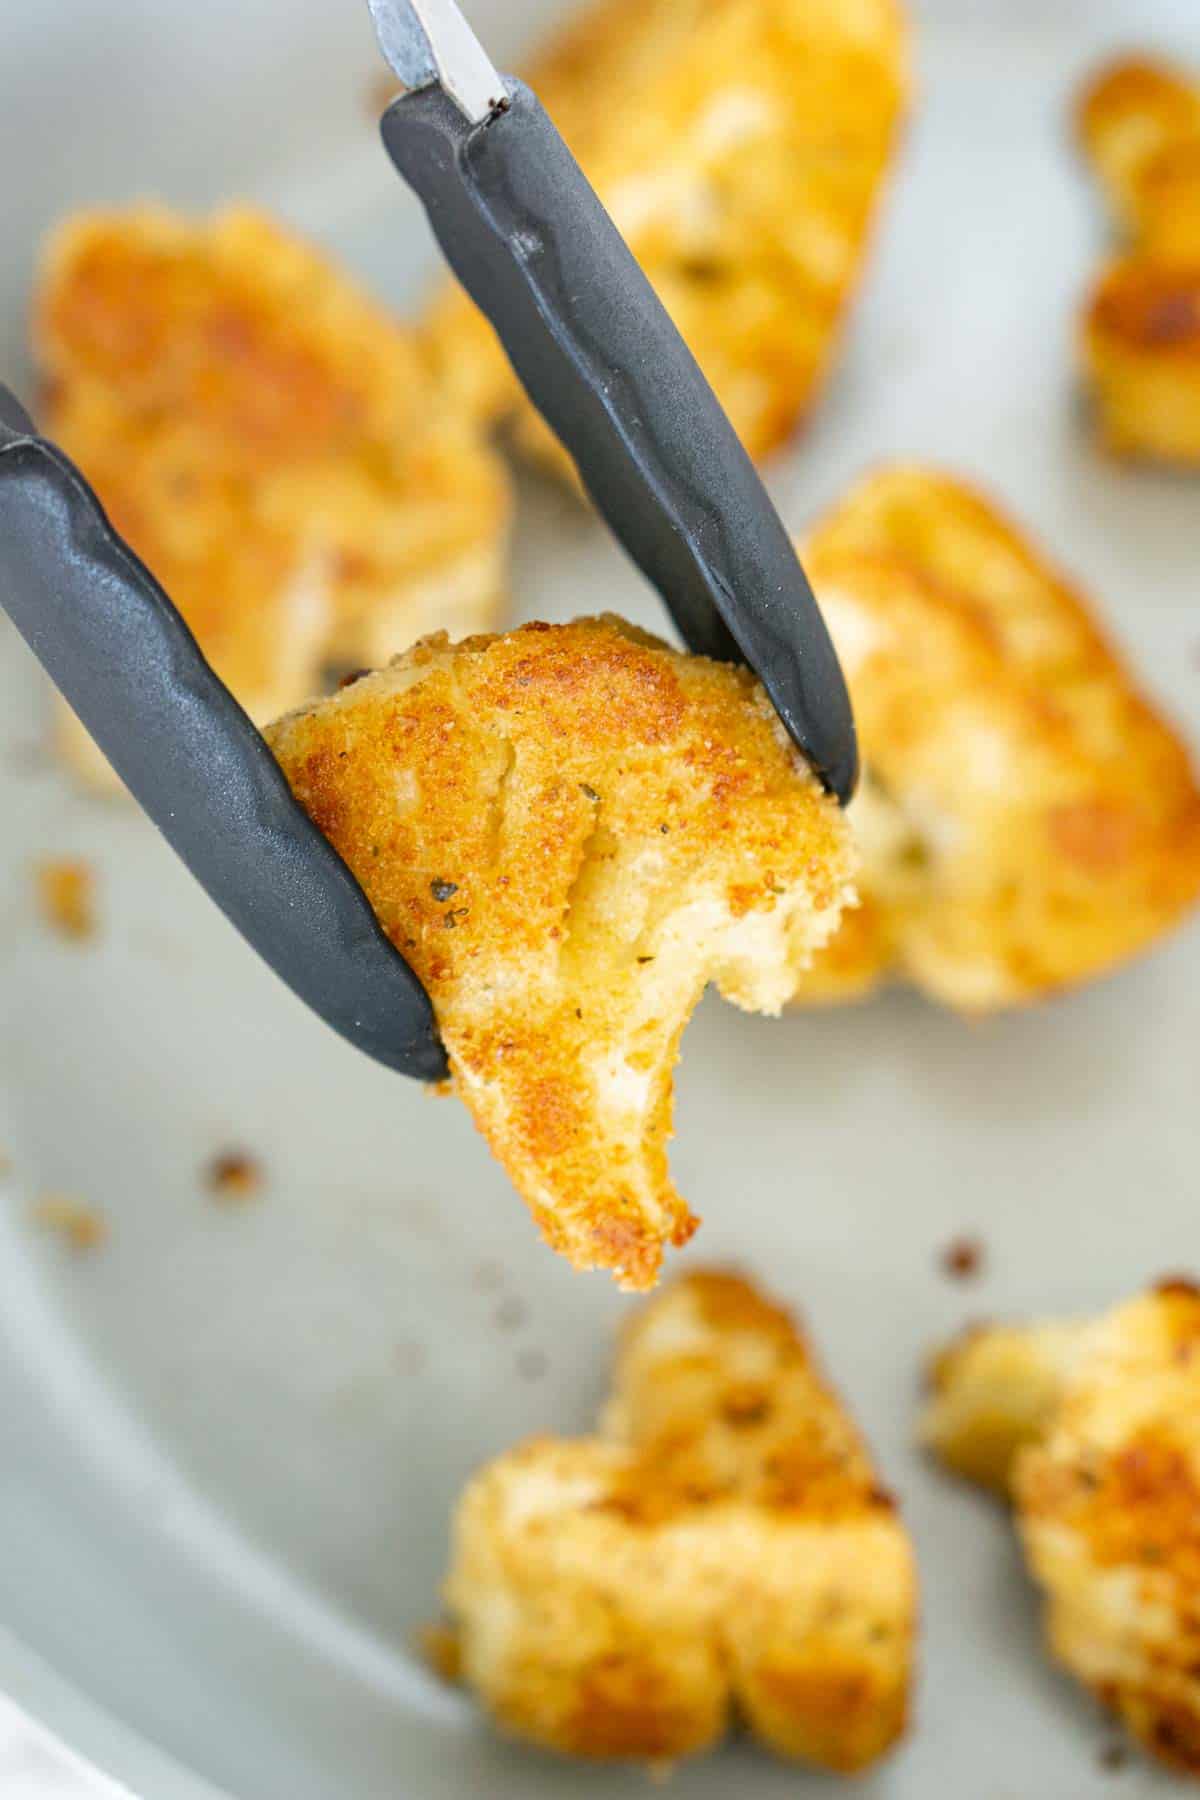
{"points": [[723, 1548], [740, 147], [568, 831], [1095, 1428], [1139, 123], [1026, 820], [270, 443]]}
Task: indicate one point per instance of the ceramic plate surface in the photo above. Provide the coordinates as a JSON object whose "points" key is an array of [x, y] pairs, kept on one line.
{"points": [[229, 1438]]}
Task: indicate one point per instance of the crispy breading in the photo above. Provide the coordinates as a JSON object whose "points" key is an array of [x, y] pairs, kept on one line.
{"points": [[723, 1548], [1101, 1425], [1141, 339], [567, 831], [993, 1390], [271, 444], [1139, 123], [740, 146], [1026, 820]]}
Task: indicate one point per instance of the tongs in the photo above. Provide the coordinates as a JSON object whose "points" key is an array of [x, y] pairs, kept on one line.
{"points": [[532, 244]]}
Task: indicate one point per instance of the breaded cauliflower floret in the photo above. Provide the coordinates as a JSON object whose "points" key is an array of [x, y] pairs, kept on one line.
{"points": [[723, 1548], [568, 831], [1139, 123], [740, 146], [269, 442], [1096, 1429], [1026, 820]]}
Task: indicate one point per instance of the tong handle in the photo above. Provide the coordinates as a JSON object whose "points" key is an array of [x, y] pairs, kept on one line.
{"points": [[111, 640], [603, 362]]}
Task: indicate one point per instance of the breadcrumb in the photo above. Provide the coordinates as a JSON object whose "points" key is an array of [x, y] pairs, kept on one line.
{"points": [[963, 1259], [1027, 820], [234, 1176], [1094, 1428], [723, 1546], [270, 442], [742, 165], [79, 1226], [501, 802]]}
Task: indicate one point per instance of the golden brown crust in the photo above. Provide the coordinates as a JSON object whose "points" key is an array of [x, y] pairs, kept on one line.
{"points": [[742, 162], [567, 831], [269, 441], [723, 1547], [1027, 821], [1139, 123], [993, 1390], [1141, 343], [1104, 1466], [1136, 119]]}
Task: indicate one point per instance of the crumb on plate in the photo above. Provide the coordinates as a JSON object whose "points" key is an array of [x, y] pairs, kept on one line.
{"points": [[80, 1226], [963, 1258], [66, 888], [234, 1176]]}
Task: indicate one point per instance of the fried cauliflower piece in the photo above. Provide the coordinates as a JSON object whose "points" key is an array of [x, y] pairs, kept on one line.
{"points": [[1139, 123], [568, 831], [722, 1548], [1096, 1429], [270, 443], [1026, 820], [740, 146]]}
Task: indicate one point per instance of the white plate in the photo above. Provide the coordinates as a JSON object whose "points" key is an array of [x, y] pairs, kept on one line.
{"points": [[230, 1438]]}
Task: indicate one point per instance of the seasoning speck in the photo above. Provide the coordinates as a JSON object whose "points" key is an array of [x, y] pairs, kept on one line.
{"points": [[351, 676], [511, 1314], [80, 1226], [963, 1259], [67, 897], [442, 890], [234, 1176], [589, 791]]}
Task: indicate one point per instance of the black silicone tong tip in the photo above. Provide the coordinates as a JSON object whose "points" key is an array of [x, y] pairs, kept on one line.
{"points": [[605, 365], [111, 640]]}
